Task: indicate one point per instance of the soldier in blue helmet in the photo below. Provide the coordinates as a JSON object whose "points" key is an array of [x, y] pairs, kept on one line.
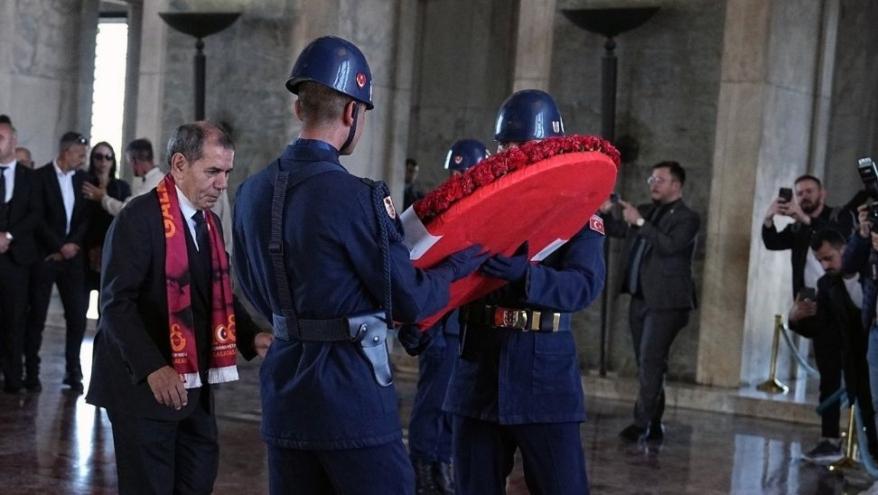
{"points": [[319, 253], [516, 386], [438, 347]]}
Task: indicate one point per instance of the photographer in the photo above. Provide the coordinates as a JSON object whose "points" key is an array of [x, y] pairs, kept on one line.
{"points": [[810, 214], [832, 319]]}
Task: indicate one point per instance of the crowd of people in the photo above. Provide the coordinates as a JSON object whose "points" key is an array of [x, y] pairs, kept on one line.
{"points": [[498, 376]]}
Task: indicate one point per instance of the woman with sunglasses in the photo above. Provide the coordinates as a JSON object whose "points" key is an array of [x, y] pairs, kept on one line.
{"points": [[101, 174]]}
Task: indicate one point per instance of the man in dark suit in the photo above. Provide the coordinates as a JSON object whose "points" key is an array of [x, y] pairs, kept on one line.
{"points": [[835, 324], [19, 214], [164, 429], [60, 234], [660, 243]]}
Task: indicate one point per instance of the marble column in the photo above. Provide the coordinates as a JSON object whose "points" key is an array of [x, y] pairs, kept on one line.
{"points": [[149, 90], [765, 134], [533, 47]]}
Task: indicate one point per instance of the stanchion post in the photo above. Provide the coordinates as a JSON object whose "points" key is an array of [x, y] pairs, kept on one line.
{"points": [[848, 461], [773, 385]]}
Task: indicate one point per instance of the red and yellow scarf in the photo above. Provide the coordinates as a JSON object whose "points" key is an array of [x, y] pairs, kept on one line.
{"points": [[179, 293]]}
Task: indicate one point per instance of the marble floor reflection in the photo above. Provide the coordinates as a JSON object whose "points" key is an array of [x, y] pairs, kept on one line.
{"points": [[53, 442]]}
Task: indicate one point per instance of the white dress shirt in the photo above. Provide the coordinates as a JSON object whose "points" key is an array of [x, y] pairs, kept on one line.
{"points": [[188, 210], [9, 178], [139, 187], [65, 181]]}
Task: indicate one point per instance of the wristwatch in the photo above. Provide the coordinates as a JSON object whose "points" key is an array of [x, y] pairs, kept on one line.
{"points": [[640, 221]]}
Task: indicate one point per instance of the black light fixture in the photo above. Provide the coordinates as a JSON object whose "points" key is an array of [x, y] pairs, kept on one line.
{"points": [[610, 23], [199, 25]]}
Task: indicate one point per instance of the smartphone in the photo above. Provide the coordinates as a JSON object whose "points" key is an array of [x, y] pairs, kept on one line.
{"points": [[614, 198], [809, 293], [785, 194]]}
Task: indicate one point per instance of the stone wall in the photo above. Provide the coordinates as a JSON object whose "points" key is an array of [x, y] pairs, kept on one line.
{"points": [[668, 83], [46, 69]]}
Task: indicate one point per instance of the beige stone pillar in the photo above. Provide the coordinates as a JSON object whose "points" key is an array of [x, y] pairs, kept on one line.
{"points": [[771, 73], [533, 48], [151, 74]]}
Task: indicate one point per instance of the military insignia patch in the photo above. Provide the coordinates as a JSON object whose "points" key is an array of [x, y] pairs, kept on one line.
{"points": [[596, 224], [458, 159], [361, 79], [388, 205]]}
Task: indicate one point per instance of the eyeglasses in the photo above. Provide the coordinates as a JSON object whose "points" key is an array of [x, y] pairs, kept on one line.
{"points": [[99, 156], [655, 180]]}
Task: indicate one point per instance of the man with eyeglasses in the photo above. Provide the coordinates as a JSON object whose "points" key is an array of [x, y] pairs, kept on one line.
{"points": [[660, 242], [60, 235]]}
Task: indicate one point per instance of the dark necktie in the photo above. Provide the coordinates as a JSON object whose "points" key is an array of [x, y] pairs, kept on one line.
{"points": [[637, 252], [3, 184], [202, 238]]}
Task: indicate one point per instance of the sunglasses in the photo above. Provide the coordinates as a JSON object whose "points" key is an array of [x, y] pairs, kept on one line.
{"points": [[100, 156]]}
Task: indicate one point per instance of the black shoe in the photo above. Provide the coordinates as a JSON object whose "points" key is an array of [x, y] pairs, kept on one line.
{"points": [[425, 481], [444, 475], [632, 433], [655, 433], [74, 382], [825, 452]]}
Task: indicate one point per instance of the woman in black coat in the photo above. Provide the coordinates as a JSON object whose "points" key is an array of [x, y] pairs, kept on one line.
{"points": [[102, 174]]}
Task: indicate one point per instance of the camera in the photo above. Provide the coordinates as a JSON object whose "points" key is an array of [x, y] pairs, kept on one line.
{"points": [[869, 175]]}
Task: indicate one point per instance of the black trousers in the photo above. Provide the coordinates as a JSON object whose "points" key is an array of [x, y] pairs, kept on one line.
{"points": [[652, 333], [828, 355], [13, 305], [69, 275], [155, 457]]}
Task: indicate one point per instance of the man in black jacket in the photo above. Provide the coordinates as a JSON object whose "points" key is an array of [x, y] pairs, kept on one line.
{"points": [[164, 428], [60, 235], [810, 214], [660, 244], [19, 214], [835, 324]]}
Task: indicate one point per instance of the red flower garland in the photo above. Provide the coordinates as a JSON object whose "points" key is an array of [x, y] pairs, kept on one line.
{"points": [[492, 168]]}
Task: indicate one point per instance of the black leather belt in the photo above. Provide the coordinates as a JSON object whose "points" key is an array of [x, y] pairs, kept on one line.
{"points": [[525, 320]]}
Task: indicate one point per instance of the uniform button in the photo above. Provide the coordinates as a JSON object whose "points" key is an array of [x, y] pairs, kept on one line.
{"points": [[375, 339]]}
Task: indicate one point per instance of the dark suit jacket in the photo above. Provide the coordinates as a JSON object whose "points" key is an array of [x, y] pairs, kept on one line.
{"points": [[51, 233], [133, 340], [25, 212], [838, 325], [666, 269]]}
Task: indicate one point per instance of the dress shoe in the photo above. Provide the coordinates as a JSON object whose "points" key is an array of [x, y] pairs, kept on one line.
{"points": [[632, 433], [656, 432]]}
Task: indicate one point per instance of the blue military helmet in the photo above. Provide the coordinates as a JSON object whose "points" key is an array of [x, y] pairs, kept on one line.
{"points": [[464, 154], [336, 63], [527, 115]]}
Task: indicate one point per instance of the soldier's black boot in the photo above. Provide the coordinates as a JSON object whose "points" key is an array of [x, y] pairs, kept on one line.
{"points": [[425, 481], [444, 478]]}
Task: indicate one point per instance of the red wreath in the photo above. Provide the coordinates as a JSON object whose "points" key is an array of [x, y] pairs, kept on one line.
{"points": [[561, 180], [490, 169]]}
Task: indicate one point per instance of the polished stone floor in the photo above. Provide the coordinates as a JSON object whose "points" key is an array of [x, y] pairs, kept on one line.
{"points": [[53, 442]]}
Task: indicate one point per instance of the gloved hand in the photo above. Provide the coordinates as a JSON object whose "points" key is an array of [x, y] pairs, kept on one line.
{"points": [[413, 340], [465, 261], [509, 268]]}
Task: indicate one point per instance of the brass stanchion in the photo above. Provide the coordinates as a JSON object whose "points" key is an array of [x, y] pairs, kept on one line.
{"points": [[850, 452], [773, 385]]}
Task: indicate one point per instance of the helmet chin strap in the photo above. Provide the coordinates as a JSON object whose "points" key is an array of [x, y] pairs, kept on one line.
{"points": [[353, 130]]}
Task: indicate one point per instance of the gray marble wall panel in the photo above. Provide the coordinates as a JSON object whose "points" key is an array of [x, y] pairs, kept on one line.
{"points": [[854, 120], [462, 74], [668, 84], [41, 48]]}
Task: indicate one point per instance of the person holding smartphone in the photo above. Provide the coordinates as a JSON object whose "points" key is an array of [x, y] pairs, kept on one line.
{"points": [[830, 316], [806, 205]]}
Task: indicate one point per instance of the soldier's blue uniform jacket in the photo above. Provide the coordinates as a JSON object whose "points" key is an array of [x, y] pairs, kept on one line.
{"points": [[514, 377], [324, 395]]}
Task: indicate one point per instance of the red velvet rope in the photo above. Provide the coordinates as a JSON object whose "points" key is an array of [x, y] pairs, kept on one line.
{"points": [[492, 168]]}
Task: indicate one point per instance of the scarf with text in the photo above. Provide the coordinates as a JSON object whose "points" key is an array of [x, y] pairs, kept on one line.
{"points": [[181, 323]]}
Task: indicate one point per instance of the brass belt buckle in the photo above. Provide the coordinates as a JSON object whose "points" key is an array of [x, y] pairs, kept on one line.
{"points": [[510, 318]]}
